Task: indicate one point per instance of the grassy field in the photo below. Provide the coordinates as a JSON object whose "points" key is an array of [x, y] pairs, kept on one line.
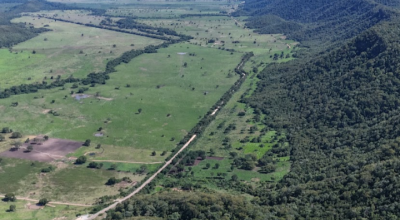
{"points": [[200, 171], [81, 16], [164, 119], [80, 184], [26, 210], [228, 33], [63, 51], [215, 136], [67, 183]]}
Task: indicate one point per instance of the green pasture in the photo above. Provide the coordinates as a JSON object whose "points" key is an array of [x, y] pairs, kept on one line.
{"points": [[130, 167], [26, 210], [201, 172], [225, 31], [80, 184], [18, 176], [81, 16], [63, 52], [172, 99], [107, 152], [67, 183]]}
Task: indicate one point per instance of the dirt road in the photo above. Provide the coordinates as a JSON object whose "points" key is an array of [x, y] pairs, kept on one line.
{"points": [[143, 185], [215, 111]]}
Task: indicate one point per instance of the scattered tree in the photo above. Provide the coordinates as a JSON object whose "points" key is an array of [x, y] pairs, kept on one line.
{"points": [[81, 160], [16, 135], [29, 148], [43, 201], [10, 197], [87, 143]]}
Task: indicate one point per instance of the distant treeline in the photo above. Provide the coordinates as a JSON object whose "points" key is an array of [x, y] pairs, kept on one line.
{"points": [[187, 206], [157, 34], [91, 79]]}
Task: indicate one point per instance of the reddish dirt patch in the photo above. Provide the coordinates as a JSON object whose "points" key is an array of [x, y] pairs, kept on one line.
{"points": [[50, 150]]}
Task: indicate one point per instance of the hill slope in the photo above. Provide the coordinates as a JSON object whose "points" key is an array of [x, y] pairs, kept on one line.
{"points": [[341, 113], [316, 21]]}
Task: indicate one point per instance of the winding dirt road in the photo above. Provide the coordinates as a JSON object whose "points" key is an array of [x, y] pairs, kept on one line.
{"points": [[92, 217]]}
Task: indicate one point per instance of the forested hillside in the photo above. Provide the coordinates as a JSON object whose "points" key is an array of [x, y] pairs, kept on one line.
{"points": [[315, 22], [341, 113], [193, 205]]}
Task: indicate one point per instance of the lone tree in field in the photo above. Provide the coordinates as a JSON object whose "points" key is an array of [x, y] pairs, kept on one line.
{"points": [[139, 110], [153, 153], [16, 145], [10, 197], [29, 148], [87, 143], [6, 130], [43, 201], [234, 177], [81, 160], [16, 135], [12, 208]]}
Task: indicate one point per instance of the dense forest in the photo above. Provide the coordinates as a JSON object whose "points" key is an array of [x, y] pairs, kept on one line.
{"points": [[186, 206], [341, 113], [315, 22]]}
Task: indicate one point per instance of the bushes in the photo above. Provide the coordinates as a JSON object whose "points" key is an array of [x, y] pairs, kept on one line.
{"points": [[81, 160]]}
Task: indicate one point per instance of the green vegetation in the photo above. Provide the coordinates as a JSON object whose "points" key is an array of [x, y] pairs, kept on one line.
{"points": [[63, 52], [195, 205], [16, 175], [28, 210], [153, 88]]}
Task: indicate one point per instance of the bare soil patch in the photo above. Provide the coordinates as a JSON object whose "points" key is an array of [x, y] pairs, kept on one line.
{"points": [[46, 111], [50, 150], [34, 206]]}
